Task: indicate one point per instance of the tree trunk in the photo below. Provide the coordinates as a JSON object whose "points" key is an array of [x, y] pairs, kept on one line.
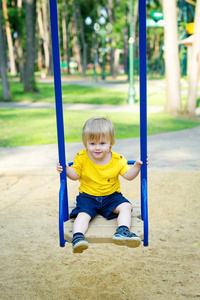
{"points": [[41, 34], [135, 17], [29, 84], [42, 24], [68, 49], [46, 33], [76, 39], [84, 45], [112, 51], [6, 94], [48, 28], [125, 46], [66, 54], [116, 61], [64, 29], [173, 103], [9, 39], [19, 47], [39, 55], [195, 64]]}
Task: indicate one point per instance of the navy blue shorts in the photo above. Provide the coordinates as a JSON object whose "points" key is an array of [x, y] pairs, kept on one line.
{"points": [[102, 205]]}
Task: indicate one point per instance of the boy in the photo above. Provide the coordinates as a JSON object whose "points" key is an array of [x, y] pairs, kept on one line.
{"points": [[98, 168]]}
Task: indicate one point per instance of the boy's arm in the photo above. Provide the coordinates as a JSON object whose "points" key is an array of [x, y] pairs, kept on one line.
{"points": [[134, 170], [71, 173]]}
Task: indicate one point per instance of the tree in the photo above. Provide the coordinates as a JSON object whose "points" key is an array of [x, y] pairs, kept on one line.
{"points": [[172, 65], [113, 70], [76, 39], [193, 79], [20, 51], [9, 39], [42, 24], [29, 82], [118, 17], [84, 45], [65, 33], [6, 94]]}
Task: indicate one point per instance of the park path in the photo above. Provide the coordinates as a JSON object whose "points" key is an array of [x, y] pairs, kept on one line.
{"points": [[176, 150], [80, 106]]}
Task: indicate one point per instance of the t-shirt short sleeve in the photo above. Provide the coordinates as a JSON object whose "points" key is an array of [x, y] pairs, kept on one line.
{"points": [[124, 165], [78, 163]]}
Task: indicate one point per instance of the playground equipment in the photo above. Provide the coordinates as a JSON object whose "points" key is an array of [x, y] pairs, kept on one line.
{"points": [[101, 230]]}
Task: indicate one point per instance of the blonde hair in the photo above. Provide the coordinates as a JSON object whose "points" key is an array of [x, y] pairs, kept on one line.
{"points": [[98, 127]]}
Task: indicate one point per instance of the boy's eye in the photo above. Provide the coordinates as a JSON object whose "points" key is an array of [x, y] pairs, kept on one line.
{"points": [[102, 143]]}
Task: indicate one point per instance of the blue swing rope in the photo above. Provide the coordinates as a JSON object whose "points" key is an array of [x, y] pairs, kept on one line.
{"points": [[63, 195]]}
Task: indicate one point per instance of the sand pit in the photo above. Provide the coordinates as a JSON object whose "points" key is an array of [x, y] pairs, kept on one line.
{"points": [[33, 266]]}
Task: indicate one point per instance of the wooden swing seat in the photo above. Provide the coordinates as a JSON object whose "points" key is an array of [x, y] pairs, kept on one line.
{"points": [[101, 230]]}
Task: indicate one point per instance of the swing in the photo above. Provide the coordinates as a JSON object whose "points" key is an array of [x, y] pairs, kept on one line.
{"points": [[101, 230]]}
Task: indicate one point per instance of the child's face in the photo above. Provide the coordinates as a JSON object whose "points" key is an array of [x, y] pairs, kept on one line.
{"points": [[98, 149]]}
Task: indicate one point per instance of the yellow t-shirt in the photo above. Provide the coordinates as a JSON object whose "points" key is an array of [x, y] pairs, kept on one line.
{"points": [[99, 180]]}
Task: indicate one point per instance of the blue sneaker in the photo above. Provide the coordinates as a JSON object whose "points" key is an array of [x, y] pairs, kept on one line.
{"points": [[79, 244], [124, 237]]}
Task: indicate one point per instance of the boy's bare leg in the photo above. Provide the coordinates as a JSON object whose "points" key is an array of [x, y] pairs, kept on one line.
{"points": [[124, 214], [81, 223]]}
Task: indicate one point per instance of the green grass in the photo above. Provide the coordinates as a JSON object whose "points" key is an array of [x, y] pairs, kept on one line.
{"points": [[21, 127], [34, 127], [154, 99], [71, 93]]}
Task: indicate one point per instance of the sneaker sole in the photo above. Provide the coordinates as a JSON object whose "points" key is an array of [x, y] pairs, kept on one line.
{"points": [[132, 243], [80, 247]]}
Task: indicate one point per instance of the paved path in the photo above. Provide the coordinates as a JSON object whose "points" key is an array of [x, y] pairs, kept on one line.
{"points": [[170, 150], [71, 106]]}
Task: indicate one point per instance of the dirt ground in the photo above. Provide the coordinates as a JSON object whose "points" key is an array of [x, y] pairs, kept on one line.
{"points": [[33, 266]]}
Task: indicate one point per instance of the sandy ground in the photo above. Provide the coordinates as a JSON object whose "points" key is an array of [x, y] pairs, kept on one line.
{"points": [[33, 266]]}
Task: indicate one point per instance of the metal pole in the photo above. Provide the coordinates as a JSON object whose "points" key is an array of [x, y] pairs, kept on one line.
{"points": [[143, 115], [131, 93], [59, 110]]}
